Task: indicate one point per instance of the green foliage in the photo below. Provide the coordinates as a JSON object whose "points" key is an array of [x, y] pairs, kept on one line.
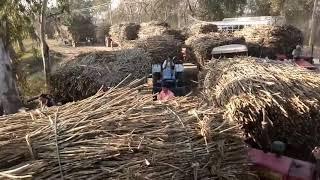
{"points": [[219, 9], [79, 20], [81, 27], [176, 11], [17, 19], [291, 9]]}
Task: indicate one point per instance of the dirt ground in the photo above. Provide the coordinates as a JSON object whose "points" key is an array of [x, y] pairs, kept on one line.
{"points": [[68, 52]]}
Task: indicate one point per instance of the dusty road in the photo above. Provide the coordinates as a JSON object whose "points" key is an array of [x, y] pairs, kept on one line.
{"points": [[68, 52]]}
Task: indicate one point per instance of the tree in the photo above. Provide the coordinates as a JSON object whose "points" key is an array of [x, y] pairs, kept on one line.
{"points": [[176, 12], [213, 10], [291, 9], [42, 8], [9, 98], [44, 45], [14, 26]]}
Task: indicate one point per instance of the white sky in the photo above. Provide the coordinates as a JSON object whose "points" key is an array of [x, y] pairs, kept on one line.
{"points": [[114, 4], [52, 3]]}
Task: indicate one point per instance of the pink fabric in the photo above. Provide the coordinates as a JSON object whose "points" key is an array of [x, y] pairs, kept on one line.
{"points": [[165, 95], [268, 160], [291, 169], [305, 64]]}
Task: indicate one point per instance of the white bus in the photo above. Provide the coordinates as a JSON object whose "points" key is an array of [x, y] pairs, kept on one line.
{"points": [[234, 24]]}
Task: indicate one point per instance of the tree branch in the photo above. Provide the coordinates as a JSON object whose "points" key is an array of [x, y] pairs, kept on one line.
{"points": [[190, 7]]}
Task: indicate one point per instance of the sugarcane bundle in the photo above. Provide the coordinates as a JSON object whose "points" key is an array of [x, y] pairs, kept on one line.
{"points": [[153, 28], [160, 47], [124, 31], [272, 101], [268, 41], [177, 34], [122, 134], [202, 44], [86, 74], [203, 28]]}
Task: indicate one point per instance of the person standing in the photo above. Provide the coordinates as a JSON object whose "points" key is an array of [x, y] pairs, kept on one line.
{"points": [[316, 154], [108, 42], [46, 100], [297, 52]]}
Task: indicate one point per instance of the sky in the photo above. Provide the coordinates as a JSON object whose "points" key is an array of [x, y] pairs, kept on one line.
{"points": [[52, 3], [114, 4]]}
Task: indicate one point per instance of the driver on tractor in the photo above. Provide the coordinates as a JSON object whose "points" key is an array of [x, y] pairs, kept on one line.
{"points": [[167, 80], [168, 74], [165, 94]]}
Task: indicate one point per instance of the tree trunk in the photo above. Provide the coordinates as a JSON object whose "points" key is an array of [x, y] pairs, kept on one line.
{"points": [[179, 18], [190, 8], [44, 45], [313, 26], [9, 99], [21, 46], [282, 8]]}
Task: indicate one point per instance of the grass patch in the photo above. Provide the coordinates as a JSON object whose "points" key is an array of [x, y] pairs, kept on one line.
{"points": [[29, 70]]}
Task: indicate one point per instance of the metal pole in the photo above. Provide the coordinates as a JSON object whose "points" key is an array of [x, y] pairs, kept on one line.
{"points": [[313, 26]]}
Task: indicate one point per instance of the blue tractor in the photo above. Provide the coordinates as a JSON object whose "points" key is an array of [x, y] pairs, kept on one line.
{"points": [[177, 75]]}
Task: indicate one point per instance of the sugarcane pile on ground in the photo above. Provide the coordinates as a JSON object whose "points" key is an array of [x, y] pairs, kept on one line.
{"points": [[271, 101], [202, 44], [86, 74], [124, 32], [122, 134], [157, 28], [268, 41], [202, 28], [159, 47], [153, 28]]}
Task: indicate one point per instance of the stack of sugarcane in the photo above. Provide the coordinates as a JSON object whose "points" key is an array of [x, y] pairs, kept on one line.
{"points": [[272, 101], [203, 28], [157, 28], [153, 28], [202, 44], [122, 134], [268, 41], [160, 47], [86, 74], [124, 32]]}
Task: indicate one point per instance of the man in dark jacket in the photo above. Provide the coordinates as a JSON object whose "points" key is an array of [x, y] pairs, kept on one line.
{"points": [[47, 100]]}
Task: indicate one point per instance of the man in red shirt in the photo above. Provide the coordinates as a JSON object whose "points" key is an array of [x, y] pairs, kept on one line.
{"points": [[165, 94]]}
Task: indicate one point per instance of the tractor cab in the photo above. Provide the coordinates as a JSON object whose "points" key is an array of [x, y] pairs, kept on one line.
{"points": [[229, 51]]}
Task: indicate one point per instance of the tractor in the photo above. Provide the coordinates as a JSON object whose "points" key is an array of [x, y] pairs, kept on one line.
{"points": [[183, 77]]}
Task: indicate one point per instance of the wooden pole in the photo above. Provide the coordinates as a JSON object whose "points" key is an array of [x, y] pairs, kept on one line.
{"points": [[313, 26]]}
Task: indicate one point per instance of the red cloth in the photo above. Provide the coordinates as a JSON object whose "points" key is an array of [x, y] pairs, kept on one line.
{"points": [[288, 168], [165, 95], [267, 160], [305, 64]]}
